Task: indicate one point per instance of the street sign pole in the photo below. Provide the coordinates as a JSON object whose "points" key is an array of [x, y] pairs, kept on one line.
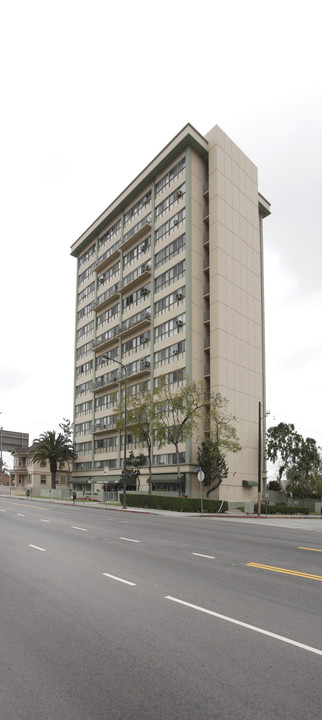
{"points": [[201, 477]]}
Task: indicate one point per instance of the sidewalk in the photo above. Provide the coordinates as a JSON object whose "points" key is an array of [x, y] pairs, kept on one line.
{"points": [[166, 513]]}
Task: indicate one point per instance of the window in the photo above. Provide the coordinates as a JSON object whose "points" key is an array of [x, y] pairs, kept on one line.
{"points": [[87, 255], [137, 251], [169, 300], [43, 479], [109, 234], [86, 274], [174, 248], [108, 315], [84, 408], [165, 355], [143, 202], [170, 276], [145, 220], [170, 175], [86, 292], [170, 327], [84, 350], [85, 330], [170, 224], [167, 203], [86, 367]]}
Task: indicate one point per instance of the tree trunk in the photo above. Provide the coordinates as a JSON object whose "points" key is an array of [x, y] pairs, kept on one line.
{"points": [[150, 470], [178, 471]]}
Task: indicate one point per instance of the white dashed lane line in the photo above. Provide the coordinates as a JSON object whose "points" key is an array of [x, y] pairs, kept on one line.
{"points": [[75, 527], [43, 520], [210, 557], [114, 577], [37, 548], [21, 515], [129, 539]]}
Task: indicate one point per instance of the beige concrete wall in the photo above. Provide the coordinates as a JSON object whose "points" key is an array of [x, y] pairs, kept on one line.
{"points": [[235, 307]]}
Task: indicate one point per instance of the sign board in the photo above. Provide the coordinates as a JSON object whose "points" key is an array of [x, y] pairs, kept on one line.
{"points": [[13, 440], [106, 469], [201, 476]]}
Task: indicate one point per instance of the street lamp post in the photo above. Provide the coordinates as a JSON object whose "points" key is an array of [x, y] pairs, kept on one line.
{"points": [[111, 359]]}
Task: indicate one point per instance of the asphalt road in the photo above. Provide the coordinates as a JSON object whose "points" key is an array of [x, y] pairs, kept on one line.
{"points": [[122, 615]]}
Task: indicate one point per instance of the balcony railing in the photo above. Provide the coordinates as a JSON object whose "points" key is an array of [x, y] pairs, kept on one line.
{"points": [[140, 273]]}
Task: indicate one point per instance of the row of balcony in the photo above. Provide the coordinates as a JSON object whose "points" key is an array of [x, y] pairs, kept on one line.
{"points": [[140, 320], [122, 244], [140, 367]]}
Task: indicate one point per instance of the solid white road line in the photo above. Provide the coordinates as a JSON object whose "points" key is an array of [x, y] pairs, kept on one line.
{"points": [[43, 520], [246, 625], [21, 515], [74, 527], [211, 557], [119, 579], [37, 548], [129, 539], [2, 510]]}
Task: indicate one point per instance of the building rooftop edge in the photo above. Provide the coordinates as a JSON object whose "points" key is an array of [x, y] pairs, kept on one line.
{"points": [[188, 135]]}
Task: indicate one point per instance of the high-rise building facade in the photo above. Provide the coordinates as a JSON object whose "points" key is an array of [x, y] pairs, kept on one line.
{"points": [[170, 283]]}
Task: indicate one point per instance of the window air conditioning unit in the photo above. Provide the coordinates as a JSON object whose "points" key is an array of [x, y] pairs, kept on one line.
{"points": [[146, 266], [144, 291], [144, 338], [179, 194], [175, 350], [175, 222], [179, 295], [142, 247], [179, 323]]}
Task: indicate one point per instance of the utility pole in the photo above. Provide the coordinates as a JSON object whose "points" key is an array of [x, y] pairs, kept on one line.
{"points": [[259, 479]]}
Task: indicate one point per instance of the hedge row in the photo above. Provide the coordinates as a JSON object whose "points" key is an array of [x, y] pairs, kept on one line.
{"points": [[282, 510], [179, 504]]}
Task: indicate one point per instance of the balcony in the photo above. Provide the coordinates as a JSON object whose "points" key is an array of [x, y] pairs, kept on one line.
{"points": [[137, 321], [205, 189], [205, 214], [205, 238], [110, 378], [206, 342], [108, 257], [103, 300], [101, 426], [141, 367], [140, 229], [134, 278], [206, 289]]}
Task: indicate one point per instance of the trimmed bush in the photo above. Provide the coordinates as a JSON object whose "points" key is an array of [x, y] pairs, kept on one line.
{"points": [[178, 504], [282, 510]]}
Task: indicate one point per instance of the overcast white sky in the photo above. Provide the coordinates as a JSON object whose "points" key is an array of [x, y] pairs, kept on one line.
{"points": [[90, 92]]}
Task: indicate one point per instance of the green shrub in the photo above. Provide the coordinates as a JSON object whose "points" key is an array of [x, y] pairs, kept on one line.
{"points": [[178, 504], [282, 509]]}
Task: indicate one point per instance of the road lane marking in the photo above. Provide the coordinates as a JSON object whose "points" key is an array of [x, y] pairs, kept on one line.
{"points": [[11, 502], [285, 571], [129, 539], [211, 557], [307, 548], [75, 527], [316, 651], [43, 520], [113, 577], [2, 510], [37, 548], [21, 515]]}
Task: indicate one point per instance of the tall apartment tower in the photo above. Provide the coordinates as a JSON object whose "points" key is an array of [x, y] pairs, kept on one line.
{"points": [[170, 283]]}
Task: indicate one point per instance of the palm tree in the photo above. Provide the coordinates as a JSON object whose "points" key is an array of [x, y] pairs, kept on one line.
{"points": [[52, 447]]}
